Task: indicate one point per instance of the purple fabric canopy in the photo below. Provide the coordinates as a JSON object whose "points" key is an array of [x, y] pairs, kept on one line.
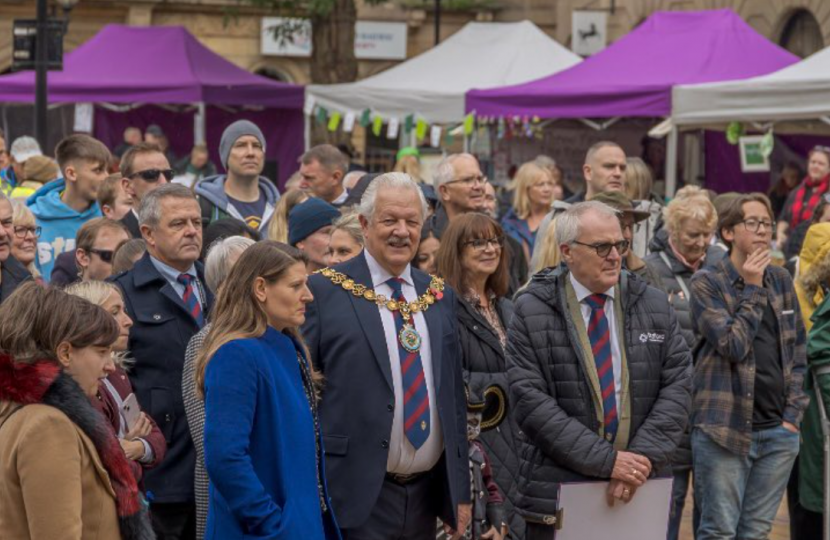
{"points": [[634, 76], [159, 64]]}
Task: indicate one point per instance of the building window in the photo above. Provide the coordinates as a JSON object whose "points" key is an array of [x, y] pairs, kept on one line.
{"points": [[802, 34]]}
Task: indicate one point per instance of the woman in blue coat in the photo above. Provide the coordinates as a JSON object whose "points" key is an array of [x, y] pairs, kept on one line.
{"points": [[263, 451]]}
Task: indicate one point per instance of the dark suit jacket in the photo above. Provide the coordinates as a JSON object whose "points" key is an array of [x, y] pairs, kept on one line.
{"points": [[162, 327], [131, 222], [14, 274], [346, 340]]}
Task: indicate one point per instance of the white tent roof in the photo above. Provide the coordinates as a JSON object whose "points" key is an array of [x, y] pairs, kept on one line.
{"points": [[432, 85], [798, 92]]}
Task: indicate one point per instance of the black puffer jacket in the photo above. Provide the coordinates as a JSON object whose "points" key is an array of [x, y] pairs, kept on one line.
{"points": [[484, 364], [671, 276], [551, 395]]}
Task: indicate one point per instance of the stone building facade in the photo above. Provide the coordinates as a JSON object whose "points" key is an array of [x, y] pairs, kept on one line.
{"points": [[803, 26]]}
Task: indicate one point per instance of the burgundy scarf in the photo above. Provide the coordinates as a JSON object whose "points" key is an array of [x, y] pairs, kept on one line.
{"points": [[45, 382], [802, 212]]}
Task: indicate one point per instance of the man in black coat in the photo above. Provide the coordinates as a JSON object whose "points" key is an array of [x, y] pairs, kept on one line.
{"points": [[144, 168], [600, 375], [393, 409], [12, 273], [165, 296]]}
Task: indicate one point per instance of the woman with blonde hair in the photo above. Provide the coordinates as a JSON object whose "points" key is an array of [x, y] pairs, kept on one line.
{"points": [[62, 472], [263, 445], [346, 240], [278, 228], [680, 250], [534, 192], [410, 165], [24, 238], [143, 442], [549, 255]]}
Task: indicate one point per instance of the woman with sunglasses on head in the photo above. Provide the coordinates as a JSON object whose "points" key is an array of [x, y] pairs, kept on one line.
{"points": [[24, 238], [804, 199], [471, 260], [140, 438], [62, 472], [262, 439]]}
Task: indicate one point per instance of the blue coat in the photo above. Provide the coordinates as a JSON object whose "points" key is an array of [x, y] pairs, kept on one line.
{"points": [[260, 445]]}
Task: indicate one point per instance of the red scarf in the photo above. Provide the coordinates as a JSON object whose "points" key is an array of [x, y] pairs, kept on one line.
{"points": [[802, 212], [45, 382]]}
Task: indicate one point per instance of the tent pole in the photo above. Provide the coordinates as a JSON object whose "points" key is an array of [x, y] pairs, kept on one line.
{"points": [[200, 121], [307, 132], [671, 162]]}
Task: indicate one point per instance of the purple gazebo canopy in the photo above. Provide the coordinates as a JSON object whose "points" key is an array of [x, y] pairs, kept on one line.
{"points": [[158, 64], [634, 76]]}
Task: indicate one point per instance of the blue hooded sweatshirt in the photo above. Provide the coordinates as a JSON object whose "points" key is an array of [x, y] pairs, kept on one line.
{"points": [[59, 224], [212, 191]]}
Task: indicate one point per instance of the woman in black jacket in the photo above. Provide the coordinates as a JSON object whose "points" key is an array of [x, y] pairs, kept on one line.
{"points": [[471, 260], [678, 251]]}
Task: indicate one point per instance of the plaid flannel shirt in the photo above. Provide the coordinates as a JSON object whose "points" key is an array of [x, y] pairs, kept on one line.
{"points": [[728, 314]]}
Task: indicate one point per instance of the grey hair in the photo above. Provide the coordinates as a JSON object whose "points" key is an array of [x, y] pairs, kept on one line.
{"points": [[217, 261], [349, 224], [396, 180], [569, 223], [149, 211], [445, 172]]}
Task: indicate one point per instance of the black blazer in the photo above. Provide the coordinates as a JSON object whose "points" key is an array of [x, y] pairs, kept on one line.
{"points": [[14, 274], [162, 328], [131, 222], [346, 340]]}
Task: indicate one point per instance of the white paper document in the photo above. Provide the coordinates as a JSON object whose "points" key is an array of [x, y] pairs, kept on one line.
{"points": [[586, 514]]}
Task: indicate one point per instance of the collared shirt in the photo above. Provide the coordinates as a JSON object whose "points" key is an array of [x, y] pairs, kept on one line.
{"points": [[582, 293], [403, 458], [728, 314], [341, 198], [172, 276]]}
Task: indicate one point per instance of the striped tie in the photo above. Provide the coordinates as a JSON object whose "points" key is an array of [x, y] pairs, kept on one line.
{"points": [[600, 338], [416, 397], [191, 301]]}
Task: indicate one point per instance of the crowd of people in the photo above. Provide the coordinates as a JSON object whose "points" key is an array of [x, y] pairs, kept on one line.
{"points": [[362, 356]]}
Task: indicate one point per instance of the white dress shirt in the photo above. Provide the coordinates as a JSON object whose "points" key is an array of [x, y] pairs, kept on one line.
{"points": [[616, 357], [403, 458]]}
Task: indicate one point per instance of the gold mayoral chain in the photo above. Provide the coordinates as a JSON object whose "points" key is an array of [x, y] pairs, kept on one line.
{"points": [[408, 337]]}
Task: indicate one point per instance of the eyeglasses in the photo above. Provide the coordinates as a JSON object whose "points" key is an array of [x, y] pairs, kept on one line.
{"points": [[104, 254], [754, 225], [604, 249], [480, 244], [469, 181], [21, 232], [152, 175]]}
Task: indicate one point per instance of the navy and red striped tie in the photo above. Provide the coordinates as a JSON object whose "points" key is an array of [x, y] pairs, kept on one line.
{"points": [[416, 397], [191, 301], [600, 337]]}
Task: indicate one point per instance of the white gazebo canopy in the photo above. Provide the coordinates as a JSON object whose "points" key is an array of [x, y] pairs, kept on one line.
{"points": [[798, 92], [432, 85]]}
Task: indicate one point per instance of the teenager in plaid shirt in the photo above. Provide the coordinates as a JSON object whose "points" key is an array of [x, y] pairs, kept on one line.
{"points": [[748, 396]]}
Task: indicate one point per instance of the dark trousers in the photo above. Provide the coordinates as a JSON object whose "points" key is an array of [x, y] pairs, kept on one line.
{"points": [[403, 512], [804, 524], [538, 531], [174, 521]]}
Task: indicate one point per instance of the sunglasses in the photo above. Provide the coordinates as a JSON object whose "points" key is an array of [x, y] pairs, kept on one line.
{"points": [[152, 175], [603, 250], [105, 255]]}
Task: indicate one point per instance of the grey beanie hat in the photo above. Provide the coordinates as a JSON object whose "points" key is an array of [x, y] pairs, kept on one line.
{"points": [[240, 128]]}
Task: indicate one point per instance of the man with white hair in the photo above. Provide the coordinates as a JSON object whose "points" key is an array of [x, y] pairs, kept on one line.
{"points": [[620, 399], [460, 186], [393, 410]]}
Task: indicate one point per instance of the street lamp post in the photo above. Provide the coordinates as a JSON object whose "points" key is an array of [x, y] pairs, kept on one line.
{"points": [[42, 63]]}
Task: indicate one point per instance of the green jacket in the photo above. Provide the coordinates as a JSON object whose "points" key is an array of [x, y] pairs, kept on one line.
{"points": [[811, 458]]}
